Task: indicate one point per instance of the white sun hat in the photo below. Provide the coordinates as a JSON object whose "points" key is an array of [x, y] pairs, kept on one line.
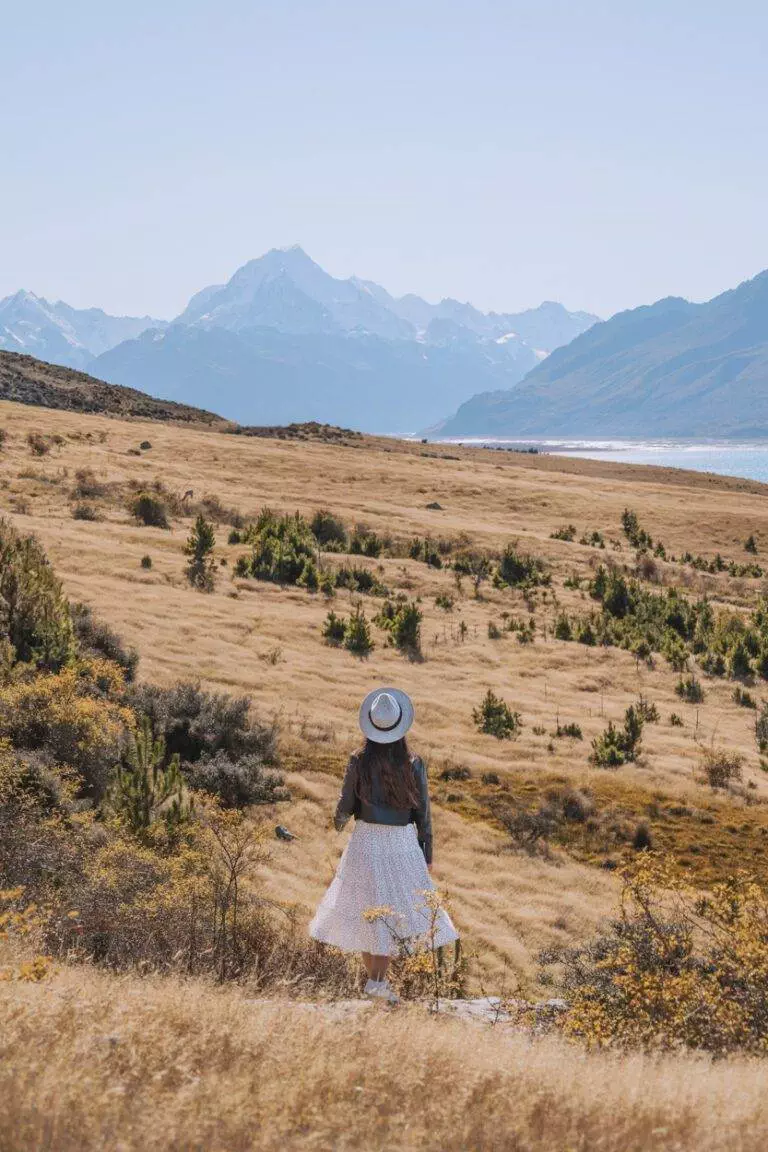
{"points": [[386, 714]]}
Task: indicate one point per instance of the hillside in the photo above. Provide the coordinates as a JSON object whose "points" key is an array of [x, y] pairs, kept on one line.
{"points": [[670, 369], [30, 381], [530, 832], [264, 639]]}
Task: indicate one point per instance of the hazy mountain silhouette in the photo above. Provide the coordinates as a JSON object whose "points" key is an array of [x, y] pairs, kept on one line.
{"points": [[283, 340], [669, 369]]}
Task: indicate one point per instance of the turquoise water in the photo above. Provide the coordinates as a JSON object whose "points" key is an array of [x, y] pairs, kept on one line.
{"points": [[747, 460]]}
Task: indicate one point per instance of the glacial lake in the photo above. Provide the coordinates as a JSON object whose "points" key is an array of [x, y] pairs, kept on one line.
{"points": [[726, 458]]}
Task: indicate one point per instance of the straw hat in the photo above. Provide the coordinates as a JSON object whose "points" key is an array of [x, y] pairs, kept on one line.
{"points": [[386, 714]]}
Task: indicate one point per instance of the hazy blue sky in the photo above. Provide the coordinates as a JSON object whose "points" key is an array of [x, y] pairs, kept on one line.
{"points": [[602, 152]]}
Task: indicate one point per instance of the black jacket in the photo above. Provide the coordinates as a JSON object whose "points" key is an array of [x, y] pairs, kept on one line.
{"points": [[376, 812]]}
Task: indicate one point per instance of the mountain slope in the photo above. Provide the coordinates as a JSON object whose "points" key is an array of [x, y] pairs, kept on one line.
{"points": [[62, 334], [670, 369], [284, 341], [30, 381]]}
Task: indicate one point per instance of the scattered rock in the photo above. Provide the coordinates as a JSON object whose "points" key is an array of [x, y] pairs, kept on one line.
{"points": [[282, 833], [435, 506], [145, 445]]}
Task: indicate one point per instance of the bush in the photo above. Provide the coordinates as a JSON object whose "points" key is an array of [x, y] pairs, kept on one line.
{"points": [[147, 788], [329, 530], [58, 714], [357, 634], [334, 629], [563, 630], [239, 783], [34, 614], [98, 638], [676, 968], [444, 601], [642, 841], [150, 509], [566, 533], [675, 720], [200, 571], [85, 512], [721, 767], [490, 778], [690, 690], [460, 773], [495, 718], [494, 632], [761, 729], [750, 544], [425, 551], [617, 746], [86, 486], [365, 543], [571, 730], [529, 831], [282, 548], [146, 561], [516, 568], [357, 579], [39, 445], [649, 713], [743, 698], [198, 724], [402, 620]]}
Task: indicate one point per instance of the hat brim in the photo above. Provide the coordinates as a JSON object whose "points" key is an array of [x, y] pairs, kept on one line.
{"points": [[369, 729]]}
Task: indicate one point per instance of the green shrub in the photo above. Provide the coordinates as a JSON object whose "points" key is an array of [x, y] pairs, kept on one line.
{"points": [[519, 569], [494, 632], [150, 509], [566, 533], [750, 544], [34, 613], [329, 531], [495, 718], [761, 729], [402, 620], [365, 543], [425, 551], [743, 698], [689, 689], [357, 579], [636, 535], [199, 570], [647, 709], [617, 746], [572, 730], [282, 547], [146, 787], [357, 633], [563, 630], [442, 600], [235, 536], [334, 629], [675, 720], [146, 561]]}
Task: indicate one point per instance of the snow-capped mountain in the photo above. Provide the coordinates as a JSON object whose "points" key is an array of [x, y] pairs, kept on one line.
{"points": [[61, 334], [283, 340]]}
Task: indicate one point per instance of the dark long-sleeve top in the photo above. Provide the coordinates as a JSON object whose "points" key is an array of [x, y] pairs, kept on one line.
{"points": [[374, 811]]}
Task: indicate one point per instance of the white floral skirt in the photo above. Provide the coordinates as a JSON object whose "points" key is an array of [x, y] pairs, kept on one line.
{"points": [[382, 868]]}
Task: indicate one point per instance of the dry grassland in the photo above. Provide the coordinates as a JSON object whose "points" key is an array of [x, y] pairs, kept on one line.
{"points": [[265, 640], [89, 1061]]}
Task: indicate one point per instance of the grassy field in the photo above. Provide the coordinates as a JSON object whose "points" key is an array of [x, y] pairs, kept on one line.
{"points": [[90, 1061], [266, 640]]}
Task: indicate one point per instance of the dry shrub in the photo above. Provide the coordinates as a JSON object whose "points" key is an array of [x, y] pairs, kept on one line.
{"points": [[86, 486], [676, 968], [720, 767]]}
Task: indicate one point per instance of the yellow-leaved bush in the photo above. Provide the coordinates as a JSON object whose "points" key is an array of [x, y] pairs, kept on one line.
{"points": [[676, 968]]}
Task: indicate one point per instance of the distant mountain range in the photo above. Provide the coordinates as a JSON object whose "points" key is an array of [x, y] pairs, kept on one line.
{"points": [[284, 341], [670, 369], [63, 335]]}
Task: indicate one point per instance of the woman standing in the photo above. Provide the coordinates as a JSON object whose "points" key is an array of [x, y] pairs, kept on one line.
{"points": [[385, 864]]}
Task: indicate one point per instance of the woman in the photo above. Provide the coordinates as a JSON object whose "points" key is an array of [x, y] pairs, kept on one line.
{"points": [[385, 864]]}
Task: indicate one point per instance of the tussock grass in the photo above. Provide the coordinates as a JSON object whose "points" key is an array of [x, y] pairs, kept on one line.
{"points": [[91, 1062]]}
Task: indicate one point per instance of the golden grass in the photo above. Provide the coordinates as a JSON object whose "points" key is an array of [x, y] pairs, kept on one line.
{"points": [[265, 640], [89, 1061]]}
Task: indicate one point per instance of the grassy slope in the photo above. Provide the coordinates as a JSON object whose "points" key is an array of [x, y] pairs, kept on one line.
{"points": [[266, 640], [89, 1061]]}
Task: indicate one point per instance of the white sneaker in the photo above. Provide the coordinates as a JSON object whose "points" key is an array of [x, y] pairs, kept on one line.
{"points": [[381, 990]]}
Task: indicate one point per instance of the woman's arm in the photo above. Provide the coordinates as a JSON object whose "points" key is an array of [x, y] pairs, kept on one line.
{"points": [[422, 814], [346, 805]]}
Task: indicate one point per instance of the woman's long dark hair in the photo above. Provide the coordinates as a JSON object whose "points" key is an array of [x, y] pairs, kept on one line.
{"points": [[393, 765]]}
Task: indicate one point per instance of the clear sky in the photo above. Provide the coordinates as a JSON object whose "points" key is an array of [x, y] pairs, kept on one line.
{"points": [[599, 152]]}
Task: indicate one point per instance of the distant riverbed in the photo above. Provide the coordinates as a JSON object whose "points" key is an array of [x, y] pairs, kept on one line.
{"points": [[726, 458]]}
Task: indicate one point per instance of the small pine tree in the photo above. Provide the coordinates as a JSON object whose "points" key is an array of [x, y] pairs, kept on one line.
{"points": [[495, 718], [334, 629], [357, 633], [145, 790], [750, 544], [199, 548]]}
